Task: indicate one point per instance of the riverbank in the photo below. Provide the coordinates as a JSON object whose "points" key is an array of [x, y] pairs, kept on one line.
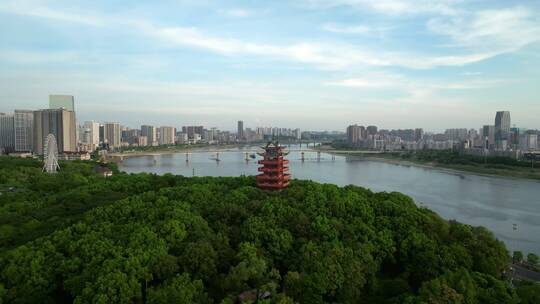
{"points": [[176, 149], [167, 150], [478, 169]]}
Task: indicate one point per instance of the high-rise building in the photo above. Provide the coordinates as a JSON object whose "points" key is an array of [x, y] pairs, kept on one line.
{"points": [[418, 134], [182, 138], [92, 138], [131, 136], [371, 130], [151, 134], [457, 134], [354, 134], [406, 134], [112, 134], [240, 131], [101, 133], [529, 141], [191, 131], [167, 135], [7, 132], [60, 123], [297, 134], [62, 102], [141, 141], [211, 136], [488, 136], [502, 127], [83, 138], [24, 129]]}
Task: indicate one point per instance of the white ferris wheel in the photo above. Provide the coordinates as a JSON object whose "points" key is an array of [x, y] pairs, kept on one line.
{"points": [[50, 155]]}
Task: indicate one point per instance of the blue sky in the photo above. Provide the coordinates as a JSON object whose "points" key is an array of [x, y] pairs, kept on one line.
{"points": [[313, 64]]}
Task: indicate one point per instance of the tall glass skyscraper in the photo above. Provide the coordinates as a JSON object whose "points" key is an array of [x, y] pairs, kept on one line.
{"points": [[24, 126], [240, 130], [502, 129], [502, 125], [7, 130]]}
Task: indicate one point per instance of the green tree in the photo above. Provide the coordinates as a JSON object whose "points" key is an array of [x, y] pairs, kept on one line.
{"points": [[77, 236], [529, 292], [180, 289], [165, 267], [517, 257], [532, 258]]}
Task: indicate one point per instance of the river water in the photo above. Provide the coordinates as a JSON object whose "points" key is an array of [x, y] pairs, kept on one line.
{"points": [[493, 202]]}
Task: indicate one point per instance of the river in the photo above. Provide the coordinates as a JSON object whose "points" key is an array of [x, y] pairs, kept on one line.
{"points": [[493, 202]]}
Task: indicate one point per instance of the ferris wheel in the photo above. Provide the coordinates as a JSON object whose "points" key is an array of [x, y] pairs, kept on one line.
{"points": [[50, 155]]}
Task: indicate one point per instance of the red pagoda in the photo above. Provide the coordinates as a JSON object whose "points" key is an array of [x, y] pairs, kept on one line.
{"points": [[274, 174]]}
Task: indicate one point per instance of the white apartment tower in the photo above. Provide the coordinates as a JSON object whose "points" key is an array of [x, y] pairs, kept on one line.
{"points": [[167, 135]]}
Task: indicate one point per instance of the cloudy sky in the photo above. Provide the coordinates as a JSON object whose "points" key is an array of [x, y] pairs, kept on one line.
{"points": [[313, 64]]}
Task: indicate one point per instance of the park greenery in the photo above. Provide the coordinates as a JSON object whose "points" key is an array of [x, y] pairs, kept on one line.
{"points": [[490, 165], [456, 160], [78, 237]]}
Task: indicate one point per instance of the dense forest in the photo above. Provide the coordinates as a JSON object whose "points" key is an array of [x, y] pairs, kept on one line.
{"points": [[76, 236]]}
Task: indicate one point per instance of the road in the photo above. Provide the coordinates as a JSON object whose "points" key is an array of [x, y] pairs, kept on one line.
{"points": [[522, 273]]}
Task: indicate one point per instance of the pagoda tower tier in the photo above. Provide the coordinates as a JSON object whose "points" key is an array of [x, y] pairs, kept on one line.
{"points": [[274, 168]]}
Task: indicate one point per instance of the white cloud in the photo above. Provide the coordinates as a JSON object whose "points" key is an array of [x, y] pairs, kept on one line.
{"points": [[409, 85], [25, 8], [484, 34], [394, 7], [497, 31], [372, 80], [472, 73], [346, 29], [237, 13], [333, 56]]}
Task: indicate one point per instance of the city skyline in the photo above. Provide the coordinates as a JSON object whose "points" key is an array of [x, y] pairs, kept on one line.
{"points": [[240, 123], [309, 64]]}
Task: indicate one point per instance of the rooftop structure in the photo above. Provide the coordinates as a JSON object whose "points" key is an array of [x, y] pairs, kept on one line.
{"points": [[104, 171], [66, 102]]}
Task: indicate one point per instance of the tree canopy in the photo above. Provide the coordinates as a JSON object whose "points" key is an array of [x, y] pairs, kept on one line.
{"points": [[78, 237]]}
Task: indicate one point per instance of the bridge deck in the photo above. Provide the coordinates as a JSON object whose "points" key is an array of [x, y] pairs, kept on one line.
{"points": [[137, 153]]}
